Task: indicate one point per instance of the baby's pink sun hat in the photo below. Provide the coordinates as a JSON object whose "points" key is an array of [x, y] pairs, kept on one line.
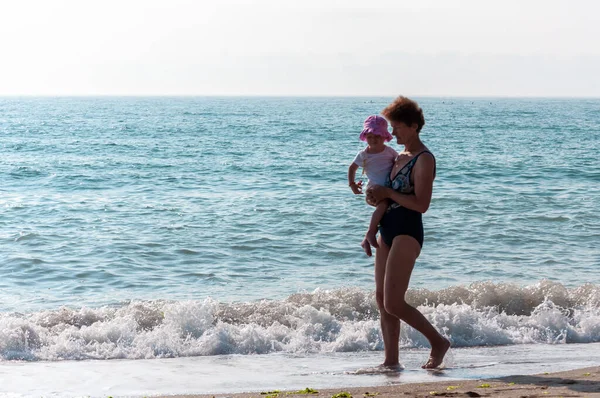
{"points": [[375, 125]]}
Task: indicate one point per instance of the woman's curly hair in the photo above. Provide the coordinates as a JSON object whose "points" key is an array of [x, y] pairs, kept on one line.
{"points": [[405, 110]]}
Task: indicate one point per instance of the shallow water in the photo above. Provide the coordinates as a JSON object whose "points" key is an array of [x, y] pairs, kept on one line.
{"points": [[262, 373]]}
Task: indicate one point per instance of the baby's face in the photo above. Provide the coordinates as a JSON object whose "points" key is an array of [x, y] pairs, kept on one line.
{"points": [[374, 140]]}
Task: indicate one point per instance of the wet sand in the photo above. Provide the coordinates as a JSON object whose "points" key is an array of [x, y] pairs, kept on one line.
{"points": [[584, 382]]}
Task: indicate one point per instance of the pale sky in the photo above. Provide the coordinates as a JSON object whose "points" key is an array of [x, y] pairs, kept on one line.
{"points": [[300, 47]]}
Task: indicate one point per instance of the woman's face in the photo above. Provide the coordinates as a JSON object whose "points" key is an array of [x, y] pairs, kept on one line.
{"points": [[403, 132]]}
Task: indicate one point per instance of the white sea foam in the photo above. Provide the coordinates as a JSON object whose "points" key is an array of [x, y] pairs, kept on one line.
{"points": [[343, 320]]}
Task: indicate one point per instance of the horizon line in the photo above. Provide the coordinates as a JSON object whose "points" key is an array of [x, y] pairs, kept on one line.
{"points": [[296, 96]]}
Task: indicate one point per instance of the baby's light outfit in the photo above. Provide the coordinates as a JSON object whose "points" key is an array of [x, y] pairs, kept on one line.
{"points": [[376, 166]]}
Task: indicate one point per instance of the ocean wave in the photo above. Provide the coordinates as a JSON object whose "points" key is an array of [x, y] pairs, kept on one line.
{"points": [[342, 320]]}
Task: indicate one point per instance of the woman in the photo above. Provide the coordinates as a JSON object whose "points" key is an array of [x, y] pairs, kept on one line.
{"points": [[408, 191]]}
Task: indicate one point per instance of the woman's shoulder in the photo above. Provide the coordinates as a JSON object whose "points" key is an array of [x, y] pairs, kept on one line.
{"points": [[426, 160], [426, 153]]}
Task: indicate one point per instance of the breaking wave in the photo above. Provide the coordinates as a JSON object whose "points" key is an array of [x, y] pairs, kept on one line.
{"points": [[342, 320]]}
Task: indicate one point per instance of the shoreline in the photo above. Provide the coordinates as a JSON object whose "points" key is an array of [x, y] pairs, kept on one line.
{"points": [[580, 382]]}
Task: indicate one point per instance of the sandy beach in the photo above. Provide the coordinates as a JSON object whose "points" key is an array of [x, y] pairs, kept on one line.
{"points": [[583, 382]]}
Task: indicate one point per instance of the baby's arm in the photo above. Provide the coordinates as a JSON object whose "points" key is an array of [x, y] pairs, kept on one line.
{"points": [[356, 188]]}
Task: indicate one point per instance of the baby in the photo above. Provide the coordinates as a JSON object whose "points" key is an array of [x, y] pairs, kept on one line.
{"points": [[376, 161]]}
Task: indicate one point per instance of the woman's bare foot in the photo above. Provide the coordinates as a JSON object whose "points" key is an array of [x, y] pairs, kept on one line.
{"points": [[388, 368], [391, 366], [381, 369], [436, 358]]}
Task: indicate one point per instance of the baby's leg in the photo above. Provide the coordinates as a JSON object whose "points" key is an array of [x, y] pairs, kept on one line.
{"points": [[375, 219], [371, 236]]}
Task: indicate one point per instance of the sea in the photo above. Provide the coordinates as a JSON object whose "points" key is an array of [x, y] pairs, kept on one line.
{"points": [[175, 245]]}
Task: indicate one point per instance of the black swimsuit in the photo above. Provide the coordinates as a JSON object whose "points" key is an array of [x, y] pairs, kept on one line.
{"points": [[399, 220]]}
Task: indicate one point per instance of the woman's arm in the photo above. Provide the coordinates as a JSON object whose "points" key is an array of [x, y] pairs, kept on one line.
{"points": [[423, 175]]}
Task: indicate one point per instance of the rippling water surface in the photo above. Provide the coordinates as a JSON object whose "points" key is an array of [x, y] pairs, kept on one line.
{"points": [[108, 201]]}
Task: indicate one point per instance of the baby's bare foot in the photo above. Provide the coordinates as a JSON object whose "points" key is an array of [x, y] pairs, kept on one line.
{"points": [[371, 237], [436, 358], [366, 247]]}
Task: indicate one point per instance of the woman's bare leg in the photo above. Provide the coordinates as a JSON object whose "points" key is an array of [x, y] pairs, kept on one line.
{"points": [[400, 262], [390, 325]]}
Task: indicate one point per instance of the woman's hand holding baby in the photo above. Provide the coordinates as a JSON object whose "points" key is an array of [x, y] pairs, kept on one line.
{"points": [[376, 194]]}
